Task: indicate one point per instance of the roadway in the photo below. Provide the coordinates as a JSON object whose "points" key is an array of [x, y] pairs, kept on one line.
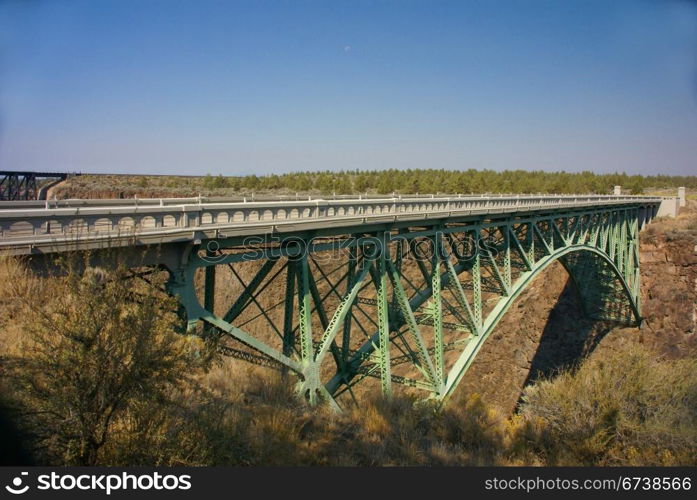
{"points": [[29, 227]]}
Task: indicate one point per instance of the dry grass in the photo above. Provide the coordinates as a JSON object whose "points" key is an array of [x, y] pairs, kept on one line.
{"points": [[625, 408], [620, 408]]}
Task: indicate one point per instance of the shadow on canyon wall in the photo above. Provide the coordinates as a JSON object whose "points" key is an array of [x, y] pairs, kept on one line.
{"points": [[567, 338]]}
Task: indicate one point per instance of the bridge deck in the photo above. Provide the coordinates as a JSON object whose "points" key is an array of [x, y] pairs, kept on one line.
{"points": [[35, 227]]}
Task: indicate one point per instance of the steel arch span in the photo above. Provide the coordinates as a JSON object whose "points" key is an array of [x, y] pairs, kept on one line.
{"points": [[398, 303], [605, 278]]}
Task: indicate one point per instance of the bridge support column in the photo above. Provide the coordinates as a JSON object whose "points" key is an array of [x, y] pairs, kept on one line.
{"points": [[477, 283], [383, 321], [436, 310], [288, 309], [310, 385], [209, 293]]}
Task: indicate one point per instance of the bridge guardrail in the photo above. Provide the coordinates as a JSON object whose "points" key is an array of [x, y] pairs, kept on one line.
{"points": [[24, 226], [136, 202]]}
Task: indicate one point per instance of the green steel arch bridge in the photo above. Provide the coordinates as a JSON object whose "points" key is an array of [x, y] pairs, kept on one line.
{"points": [[353, 292]]}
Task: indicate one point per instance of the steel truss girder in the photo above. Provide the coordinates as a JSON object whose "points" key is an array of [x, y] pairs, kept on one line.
{"points": [[598, 247]]}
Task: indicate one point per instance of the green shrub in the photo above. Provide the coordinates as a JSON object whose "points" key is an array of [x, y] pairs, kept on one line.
{"points": [[96, 353]]}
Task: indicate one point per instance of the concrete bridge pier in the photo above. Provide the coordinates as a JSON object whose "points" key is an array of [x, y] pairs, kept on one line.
{"points": [[669, 207]]}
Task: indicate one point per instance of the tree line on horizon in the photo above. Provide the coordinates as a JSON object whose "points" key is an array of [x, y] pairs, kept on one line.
{"points": [[413, 181]]}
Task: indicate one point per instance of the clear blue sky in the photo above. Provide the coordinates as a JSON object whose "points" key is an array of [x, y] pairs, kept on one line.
{"points": [[275, 86]]}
